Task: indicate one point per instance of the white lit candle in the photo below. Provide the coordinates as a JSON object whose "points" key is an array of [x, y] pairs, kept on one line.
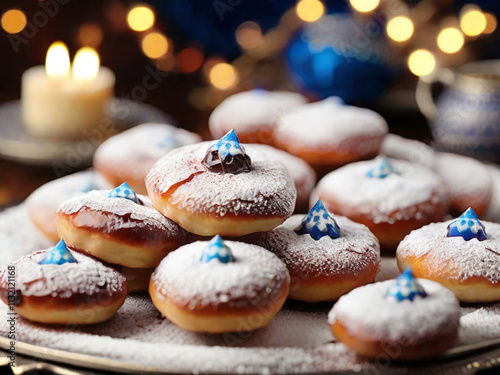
{"points": [[60, 101]]}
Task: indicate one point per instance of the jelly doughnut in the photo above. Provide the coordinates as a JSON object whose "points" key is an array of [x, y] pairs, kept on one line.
{"points": [[118, 227], [328, 134], [218, 287], [402, 319], [130, 155], [391, 197], [43, 203], [326, 256], [467, 181], [222, 188], [61, 286], [461, 254], [252, 114], [411, 150]]}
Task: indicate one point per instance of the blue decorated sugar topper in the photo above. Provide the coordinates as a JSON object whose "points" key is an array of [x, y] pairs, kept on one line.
{"points": [[216, 249], [319, 223], [227, 156], [124, 191], [406, 287], [58, 255], [467, 226], [229, 145], [382, 170]]}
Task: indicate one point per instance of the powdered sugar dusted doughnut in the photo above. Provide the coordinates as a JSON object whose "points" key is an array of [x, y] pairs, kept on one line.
{"points": [[329, 134], [391, 197], [130, 155], [220, 287], [43, 202], [253, 114], [468, 264], [303, 175], [408, 318], [205, 200], [397, 147], [61, 286], [467, 180], [323, 267], [117, 230]]}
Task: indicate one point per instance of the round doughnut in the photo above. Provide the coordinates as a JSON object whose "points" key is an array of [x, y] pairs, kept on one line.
{"points": [[328, 134], [83, 292], [375, 324], [215, 287], [468, 267], [130, 155], [252, 114], [206, 201], [390, 205], [303, 175], [417, 152], [118, 230], [467, 180], [326, 268], [43, 203]]}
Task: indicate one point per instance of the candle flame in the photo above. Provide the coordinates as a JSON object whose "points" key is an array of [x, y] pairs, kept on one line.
{"points": [[85, 65], [57, 61]]}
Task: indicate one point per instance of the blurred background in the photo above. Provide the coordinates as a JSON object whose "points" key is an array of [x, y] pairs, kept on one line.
{"points": [[369, 52]]}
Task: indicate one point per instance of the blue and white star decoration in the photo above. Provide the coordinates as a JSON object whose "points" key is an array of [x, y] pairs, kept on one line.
{"points": [[216, 249], [58, 255], [319, 223], [467, 226], [229, 145], [382, 170], [123, 191], [406, 287]]}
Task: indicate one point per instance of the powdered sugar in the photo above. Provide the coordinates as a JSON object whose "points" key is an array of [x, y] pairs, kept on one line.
{"points": [[411, 150], [470, 258], [328, 122], [410, 185], [121, 212], [367, 312], [248, 111], [86, 276], [256, 276], [267, 189], [353, 251], [493, 211], [136, 150]]}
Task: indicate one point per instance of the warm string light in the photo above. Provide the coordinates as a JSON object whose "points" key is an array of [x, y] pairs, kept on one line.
{"points": [[249, 35], [421, 62], [310, 10], [491, 23], [472, 21], [141, 18], [189, 60], [400, 28], [223, 76], [154, 45], [365, 6], [450, 40], [13, 21]]}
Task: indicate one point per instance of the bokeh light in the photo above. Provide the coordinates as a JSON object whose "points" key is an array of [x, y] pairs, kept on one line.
{"points": [[223, 76], [473, 22], [154, 45], [365, 5], [13, 21], [450, 40], [400, 28], [166, 63], [90, 34], [421, 62], [491, 23], [189, 60], [310, 10], [249, 35], [140, 18], [57, 62]]}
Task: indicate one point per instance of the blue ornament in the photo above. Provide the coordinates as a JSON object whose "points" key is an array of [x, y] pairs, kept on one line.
{"points": [[58, 255], [406, 287], [382, 170], [229, 145], [124, 191], [340, 55], [319, 223], [216, 249], [467, 226]]}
